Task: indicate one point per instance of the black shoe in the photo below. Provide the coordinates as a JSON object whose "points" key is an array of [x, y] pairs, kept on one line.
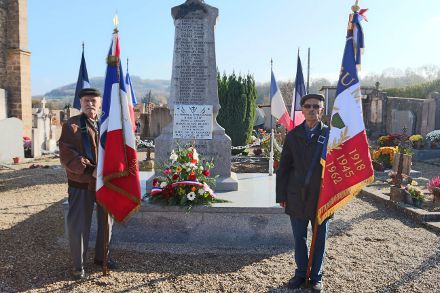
{"points": [[317, 286], [78, 274], [111, 264], [296, 282]]}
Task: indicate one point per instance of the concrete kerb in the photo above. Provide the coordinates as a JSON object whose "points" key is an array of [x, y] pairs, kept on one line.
{"points": [[430, 220]]}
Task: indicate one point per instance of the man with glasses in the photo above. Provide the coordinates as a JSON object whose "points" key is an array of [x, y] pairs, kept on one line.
{"points": [[298, 182]]}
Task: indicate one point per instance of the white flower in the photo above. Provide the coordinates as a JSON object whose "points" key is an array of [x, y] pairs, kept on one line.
{"points": [[195, 155], [201, 191], [201, 167], [191, 196], [173, 156], [163, 184], [188, 169]]}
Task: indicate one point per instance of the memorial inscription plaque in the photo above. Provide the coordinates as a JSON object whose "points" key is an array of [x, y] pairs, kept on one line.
{"points": [[193, 101]]}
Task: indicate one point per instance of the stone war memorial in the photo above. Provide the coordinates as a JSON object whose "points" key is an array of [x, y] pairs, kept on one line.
{"points": [[385, 239], [194, 102], [248, 217]]}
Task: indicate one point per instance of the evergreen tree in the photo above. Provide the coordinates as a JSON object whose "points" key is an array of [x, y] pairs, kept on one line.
{"points": [[237, 97]]}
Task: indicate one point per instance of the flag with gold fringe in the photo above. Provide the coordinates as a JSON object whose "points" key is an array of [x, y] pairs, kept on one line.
{"points": [[117, 183], [347, 166]]}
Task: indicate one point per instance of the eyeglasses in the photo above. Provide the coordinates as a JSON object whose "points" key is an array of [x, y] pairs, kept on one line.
{"points": [[314, 106]]}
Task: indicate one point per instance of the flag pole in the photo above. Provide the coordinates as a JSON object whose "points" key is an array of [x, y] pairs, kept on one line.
{"points": [[271, 124], [292, 108], [308, 70], [106, 230], [355, 8]]}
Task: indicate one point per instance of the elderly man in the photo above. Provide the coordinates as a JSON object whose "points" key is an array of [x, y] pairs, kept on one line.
{"points": [[298, 185], [78, 154]]}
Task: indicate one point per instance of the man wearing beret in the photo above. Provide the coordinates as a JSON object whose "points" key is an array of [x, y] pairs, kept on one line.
{"points": [[298, 184], [78, 154]]}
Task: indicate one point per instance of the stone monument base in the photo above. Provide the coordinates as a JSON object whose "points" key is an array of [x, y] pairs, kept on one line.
{"points": [[250, 219], [227, 183]]}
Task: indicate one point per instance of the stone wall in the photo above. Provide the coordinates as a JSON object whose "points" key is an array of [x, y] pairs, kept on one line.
{"points": [[15, 61], [384, 115], [152, 124], [3, 38]]}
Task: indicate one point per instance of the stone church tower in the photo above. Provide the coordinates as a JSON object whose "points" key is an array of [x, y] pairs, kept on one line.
{"points": [[15, 61]]}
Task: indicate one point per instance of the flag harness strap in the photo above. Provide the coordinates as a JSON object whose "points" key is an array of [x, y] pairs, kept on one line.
{"points": [[86, 140], [321, 140]]}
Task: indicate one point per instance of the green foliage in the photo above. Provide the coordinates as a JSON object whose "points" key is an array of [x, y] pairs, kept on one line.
{"points": [[415, 91], [237, 96], [185, 181]]}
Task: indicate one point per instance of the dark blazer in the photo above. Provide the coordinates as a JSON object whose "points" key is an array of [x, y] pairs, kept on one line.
{"points": [[296, 158]]}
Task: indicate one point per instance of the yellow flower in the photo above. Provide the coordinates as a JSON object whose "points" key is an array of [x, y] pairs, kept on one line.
{"points": [[416, 137], [178, 169], [414, 183]]}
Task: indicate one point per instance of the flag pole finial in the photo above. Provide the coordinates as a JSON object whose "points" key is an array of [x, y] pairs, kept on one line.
{"points": [[127, 64], [116, 22], [271, 63], [355, 8], [83, 46]]}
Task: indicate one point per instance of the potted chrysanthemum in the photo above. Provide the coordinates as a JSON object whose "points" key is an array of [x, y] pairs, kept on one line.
{"points": [[434, 187], [434, 138]]}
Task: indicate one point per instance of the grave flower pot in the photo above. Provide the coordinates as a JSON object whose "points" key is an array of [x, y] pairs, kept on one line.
{"points": [[378, 166], [408, 198], [417, 203], [436, 194], [16, 160], [418, 144], [406, 163]]}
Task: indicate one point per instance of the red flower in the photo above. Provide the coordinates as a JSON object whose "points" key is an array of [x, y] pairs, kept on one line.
{"points": [[190, 155], [192, 176], [168, 191], [206, 172], [175, 177], [194, 161], [155, 181]]}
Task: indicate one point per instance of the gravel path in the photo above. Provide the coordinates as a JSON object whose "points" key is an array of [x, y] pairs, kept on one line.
{"points": [[371, 249]]}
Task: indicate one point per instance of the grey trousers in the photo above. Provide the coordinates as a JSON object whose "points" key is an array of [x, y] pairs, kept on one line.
{"points": [[79, 220]]}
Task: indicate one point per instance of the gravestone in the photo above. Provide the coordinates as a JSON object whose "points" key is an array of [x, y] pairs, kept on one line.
{"points": [[3, 105], [428, 117], [11, 144], [402, 118], [44, 135], [193, 101], [376, 110]]}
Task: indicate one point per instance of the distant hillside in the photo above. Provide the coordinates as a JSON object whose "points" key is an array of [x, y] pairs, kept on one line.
{"points": [[160, 89]]}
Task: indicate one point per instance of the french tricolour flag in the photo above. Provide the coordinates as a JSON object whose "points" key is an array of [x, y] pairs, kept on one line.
{"points": [[300, 91], [131, 97], [117, 185], [347, 164], [277, 106], [82, 82]]}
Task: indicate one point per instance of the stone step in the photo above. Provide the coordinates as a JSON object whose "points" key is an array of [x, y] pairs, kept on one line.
{"points": [[251, 218]]}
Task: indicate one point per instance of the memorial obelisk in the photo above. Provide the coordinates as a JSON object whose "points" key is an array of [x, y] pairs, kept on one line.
{"points": [[193, 101]]}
